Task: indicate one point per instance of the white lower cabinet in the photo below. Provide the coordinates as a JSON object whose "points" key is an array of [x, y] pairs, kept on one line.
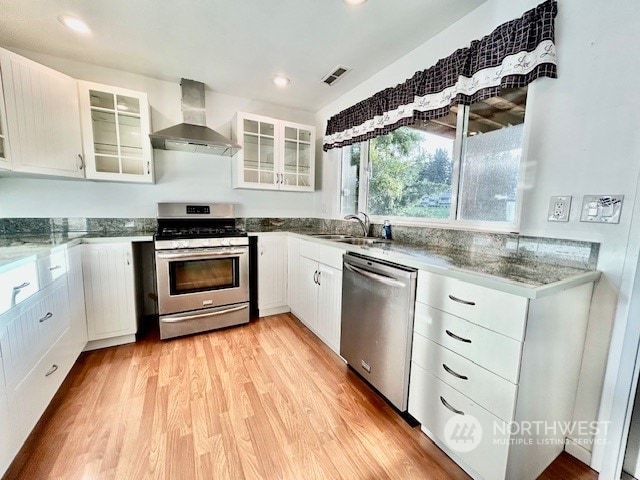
{"points": [[317, 272], [40, 339], [499, 359], [77, 311], [272, 274], [110, 295], [8, 443]]}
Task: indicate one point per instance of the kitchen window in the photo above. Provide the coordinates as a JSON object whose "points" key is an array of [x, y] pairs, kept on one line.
{"points": [[462, 169]]}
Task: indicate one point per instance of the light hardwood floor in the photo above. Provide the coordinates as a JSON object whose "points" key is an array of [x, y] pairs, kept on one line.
{"points": [[267, 400]]}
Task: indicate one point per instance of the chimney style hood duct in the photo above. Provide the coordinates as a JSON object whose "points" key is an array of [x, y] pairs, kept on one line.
{"points": [[193, 135]]}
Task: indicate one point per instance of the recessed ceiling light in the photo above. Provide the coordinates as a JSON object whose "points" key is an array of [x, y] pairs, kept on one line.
{"points": [[75, 24], [354, 3], [281, 80]]}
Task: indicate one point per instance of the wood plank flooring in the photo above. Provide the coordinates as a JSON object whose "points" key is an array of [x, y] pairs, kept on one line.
{"points": [[263, 401]]}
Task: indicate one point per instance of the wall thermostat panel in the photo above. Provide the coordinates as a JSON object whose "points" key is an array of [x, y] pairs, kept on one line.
{"points": [[601, 208]]}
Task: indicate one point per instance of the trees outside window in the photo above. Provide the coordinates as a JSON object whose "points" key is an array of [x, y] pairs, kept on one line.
{"points": [[450, 170]]}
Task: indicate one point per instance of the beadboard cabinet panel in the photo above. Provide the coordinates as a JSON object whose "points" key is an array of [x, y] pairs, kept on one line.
{"points": [[43, 118], [109, 290], [272, 274]]}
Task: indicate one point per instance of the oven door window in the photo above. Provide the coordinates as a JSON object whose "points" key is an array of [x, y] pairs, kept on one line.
{"points": [[191, 276]]}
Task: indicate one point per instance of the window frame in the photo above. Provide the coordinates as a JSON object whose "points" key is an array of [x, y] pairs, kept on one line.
{"points": [[453, 222]]}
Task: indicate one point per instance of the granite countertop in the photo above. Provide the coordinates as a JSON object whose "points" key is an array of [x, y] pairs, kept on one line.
{"points": [[512, 274], [16, 249], [516, 275]]}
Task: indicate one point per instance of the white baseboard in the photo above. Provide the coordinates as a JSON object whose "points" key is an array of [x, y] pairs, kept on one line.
{"points": [[578, 451], [109, 342], [265, 312]]}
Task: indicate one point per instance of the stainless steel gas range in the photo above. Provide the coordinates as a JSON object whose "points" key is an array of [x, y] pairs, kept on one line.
{"points": [[202, 263]]}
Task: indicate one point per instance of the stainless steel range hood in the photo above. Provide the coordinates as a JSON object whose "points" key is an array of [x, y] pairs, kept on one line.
{"points": [[193, 135]]}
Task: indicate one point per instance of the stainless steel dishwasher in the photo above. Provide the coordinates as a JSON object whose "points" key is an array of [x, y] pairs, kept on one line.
{"points": [[378, 299]]}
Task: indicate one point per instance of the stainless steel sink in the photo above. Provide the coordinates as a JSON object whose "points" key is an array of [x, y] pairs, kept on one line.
{"points": [[363, 241]]}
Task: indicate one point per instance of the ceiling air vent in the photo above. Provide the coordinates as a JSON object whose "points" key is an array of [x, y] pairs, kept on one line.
{"points": [[335, 74]]}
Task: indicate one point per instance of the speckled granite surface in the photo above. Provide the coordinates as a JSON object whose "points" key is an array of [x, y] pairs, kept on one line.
{"points": [[512, 247], [513, 269], [531, 261], [12, 226]]}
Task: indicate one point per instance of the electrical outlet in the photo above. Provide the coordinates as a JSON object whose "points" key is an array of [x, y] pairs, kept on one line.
{"points": [[601, 208], [559, 208]]}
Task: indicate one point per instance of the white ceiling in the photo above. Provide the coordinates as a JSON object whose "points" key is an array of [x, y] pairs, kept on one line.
{"points": [[235, 46]]}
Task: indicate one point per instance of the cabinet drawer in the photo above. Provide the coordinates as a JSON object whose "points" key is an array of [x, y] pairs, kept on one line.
{"points": [[498, 311], [9, 445], [495, 352], [18, 284], [52, 267], [309, 249], [33, 394], [330, 256], [427, 395], [32, 333], [482, 386]]}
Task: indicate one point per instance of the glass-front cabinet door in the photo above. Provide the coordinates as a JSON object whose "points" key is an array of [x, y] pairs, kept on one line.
{"points": [[259, 156], [299, 141], [275, 154], [257, 161], [115, 128]]}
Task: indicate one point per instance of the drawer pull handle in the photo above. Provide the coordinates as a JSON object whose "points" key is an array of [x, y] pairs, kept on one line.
{"points": [[455, 374], [17, 288], [459, 300], [456, 337], [454, 410], [46, 317], [54, 367], [55, 267]]}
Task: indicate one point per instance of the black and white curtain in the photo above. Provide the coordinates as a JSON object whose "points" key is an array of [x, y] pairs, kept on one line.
{"points": [[513, 55]]}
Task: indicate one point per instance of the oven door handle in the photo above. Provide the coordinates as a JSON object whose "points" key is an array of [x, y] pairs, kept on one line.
{"points": [[202, 315], [184, 254]]}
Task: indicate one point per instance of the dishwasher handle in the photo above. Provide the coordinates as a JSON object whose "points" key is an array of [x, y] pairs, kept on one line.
{"points": [[374, 276]]}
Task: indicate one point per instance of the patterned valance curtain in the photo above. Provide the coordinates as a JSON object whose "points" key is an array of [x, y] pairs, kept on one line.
{"points": [[513, 55]]}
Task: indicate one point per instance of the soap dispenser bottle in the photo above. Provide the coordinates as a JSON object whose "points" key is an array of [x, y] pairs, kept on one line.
{"points": [[386, 230]]}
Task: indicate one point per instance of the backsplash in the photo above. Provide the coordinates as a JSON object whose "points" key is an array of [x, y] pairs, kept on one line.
{"points": [[10, 226], [561, 252]]}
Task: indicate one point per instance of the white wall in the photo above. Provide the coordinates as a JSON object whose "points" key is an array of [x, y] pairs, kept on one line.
{"points": [[179, 176], [583, 141]]}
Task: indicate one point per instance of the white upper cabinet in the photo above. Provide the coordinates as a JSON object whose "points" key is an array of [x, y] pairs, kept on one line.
{"points": [[5, 160], [115, 129], [275, 154], [43, 120]]}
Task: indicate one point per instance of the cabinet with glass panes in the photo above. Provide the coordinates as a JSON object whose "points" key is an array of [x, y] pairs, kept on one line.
{"points": [[275, 155], [115, 130]]}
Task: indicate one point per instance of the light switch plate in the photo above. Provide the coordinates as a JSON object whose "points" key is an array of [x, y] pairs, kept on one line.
{"points": [[559, 208], [601, 208]]}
